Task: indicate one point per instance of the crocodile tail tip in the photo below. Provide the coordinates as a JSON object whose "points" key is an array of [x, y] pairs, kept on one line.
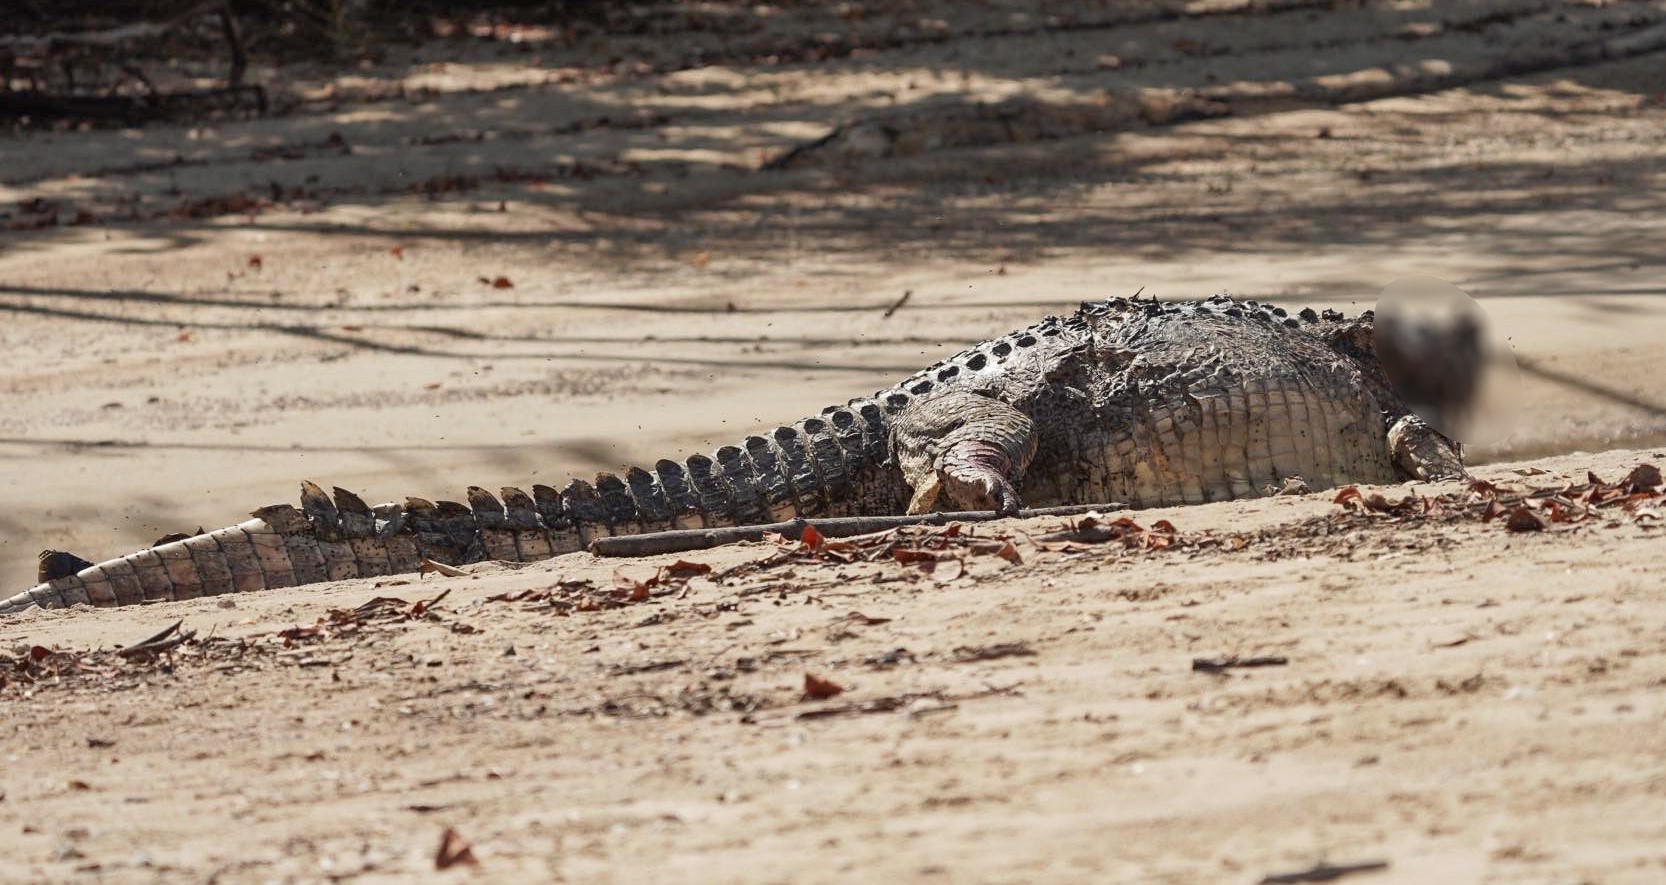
{"points": [[22, 602], [43, 595]]}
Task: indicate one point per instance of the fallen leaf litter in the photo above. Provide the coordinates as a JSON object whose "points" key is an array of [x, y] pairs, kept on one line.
{"points": [[939, 556]]}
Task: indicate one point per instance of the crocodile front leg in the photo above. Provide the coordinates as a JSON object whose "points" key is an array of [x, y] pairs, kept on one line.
{"points": [[965, 447], [1424, 452]]}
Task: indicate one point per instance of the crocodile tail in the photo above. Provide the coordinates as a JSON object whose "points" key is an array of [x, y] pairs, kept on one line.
{"points": [[330, 537], [833, 464]]}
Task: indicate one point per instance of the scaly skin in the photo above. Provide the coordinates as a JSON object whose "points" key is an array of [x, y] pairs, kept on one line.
{"points": [[1145, 403]]}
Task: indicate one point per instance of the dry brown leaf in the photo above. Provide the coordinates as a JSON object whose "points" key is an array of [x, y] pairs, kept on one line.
{"points": [[1643, 478], [453, 850], [701, 259], [819, 689], [682, 568], [810, 540], [256, 262], [397, 252], [1482, 487], [417, 609], [502, 283], [1559, 513], [1352, 498], [630, 588], [1009, 552], [1524, 519]]}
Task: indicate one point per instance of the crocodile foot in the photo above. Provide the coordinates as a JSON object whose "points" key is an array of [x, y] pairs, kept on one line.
{"points": [[1424, 452], [963, 451]]}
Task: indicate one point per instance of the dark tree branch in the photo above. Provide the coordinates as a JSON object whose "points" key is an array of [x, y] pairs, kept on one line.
{"points": [[837, 527]]}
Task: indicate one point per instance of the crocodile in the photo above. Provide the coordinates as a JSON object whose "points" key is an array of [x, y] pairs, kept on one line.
{"points": [[1137, 401]]}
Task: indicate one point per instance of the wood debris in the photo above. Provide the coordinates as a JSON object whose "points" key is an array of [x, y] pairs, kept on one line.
{"points": [[1325, 872], [1222, 664]]}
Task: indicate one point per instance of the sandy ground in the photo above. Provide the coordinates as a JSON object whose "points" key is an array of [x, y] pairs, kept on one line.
{"points": [[222, 310]]}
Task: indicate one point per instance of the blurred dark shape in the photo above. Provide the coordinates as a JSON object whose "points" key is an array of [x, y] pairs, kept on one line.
{"points": [[55, 564], [1445, 360], [1435, 369]]}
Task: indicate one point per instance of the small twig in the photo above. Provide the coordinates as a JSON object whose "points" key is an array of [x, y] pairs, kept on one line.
{"points": [[234, 41], [161, 642], [897, 305], [1325, 872], [858, 708], [681, 540], [968, 654], [1217, 665], [428, 605], [168, 631], [651, 667]]}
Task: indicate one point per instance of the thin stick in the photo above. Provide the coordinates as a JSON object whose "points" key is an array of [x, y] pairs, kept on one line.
{"points": [[1325, 872], [234, 40], [151, 640], [682, 540], [161, 642], [1218, 665], [897, 305]]}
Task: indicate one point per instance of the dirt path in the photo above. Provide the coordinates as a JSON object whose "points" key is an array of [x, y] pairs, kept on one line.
{"points": [[196, 318]]}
